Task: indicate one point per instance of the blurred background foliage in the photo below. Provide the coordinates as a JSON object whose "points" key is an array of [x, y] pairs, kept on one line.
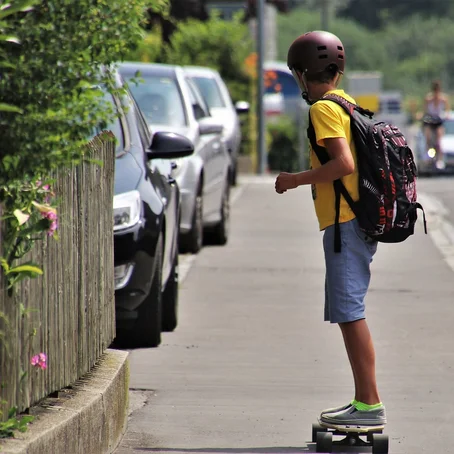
{"points": [[409, 41]]}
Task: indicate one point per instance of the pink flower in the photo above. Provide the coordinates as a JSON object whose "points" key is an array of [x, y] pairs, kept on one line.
{"points": [[46, 187], [40, 361], [49, 213], [53, 227]]}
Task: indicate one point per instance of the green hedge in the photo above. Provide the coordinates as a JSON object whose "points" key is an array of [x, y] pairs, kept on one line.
{"points": [[51, 75], [283, 145]]}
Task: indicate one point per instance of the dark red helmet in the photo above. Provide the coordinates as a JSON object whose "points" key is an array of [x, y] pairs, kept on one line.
{"points": [[313, 52]]}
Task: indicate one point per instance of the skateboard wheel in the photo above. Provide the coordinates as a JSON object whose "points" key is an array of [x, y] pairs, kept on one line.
{"points": [[324, 442], [370, 435], [315, 429], [380, 444]]}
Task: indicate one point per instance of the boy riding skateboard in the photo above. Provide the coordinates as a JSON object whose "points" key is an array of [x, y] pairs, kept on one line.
{"points": [[317, 61]]}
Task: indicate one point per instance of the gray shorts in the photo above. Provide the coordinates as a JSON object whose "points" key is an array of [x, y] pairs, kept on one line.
{"points": [[347, 273]]}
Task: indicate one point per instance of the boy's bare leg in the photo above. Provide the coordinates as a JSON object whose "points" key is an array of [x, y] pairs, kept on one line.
{"points": [[360, 350]]}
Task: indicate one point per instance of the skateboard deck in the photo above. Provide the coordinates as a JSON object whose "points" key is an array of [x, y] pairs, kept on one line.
{"points": [[351, 428]]}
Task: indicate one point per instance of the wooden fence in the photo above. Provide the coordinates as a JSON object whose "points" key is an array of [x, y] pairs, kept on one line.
{"points": [[69, 312]]}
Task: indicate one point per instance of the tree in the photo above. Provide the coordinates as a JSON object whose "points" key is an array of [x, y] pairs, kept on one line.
{"points": [[364, 50], [375, 14], [7, 10], [179, 10], [215, 43]]}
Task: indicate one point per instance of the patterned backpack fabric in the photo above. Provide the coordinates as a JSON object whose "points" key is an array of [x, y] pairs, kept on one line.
{"points": [[387, 205]]}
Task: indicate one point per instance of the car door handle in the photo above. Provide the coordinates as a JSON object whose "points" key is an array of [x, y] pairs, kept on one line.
{"points": [[174, 165], [171, 180]]}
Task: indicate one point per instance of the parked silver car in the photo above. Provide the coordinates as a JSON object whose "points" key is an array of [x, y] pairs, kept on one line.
{"points": [[170, 101], [217, 97]]}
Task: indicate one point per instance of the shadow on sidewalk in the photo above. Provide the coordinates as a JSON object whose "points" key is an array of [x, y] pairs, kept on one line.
{"points": [[311, 448], [264, 450]]}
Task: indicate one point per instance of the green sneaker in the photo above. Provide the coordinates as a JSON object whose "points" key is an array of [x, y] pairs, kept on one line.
{"points": [[353, 417]]}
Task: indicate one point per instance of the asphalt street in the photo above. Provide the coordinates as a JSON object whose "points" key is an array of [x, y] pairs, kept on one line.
{"points": [[252, 363]]}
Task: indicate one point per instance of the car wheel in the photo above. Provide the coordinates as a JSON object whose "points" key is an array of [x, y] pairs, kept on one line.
{"points": [[233, 178], [220, 233], [170, 299], [147, 328], [193, 241]]}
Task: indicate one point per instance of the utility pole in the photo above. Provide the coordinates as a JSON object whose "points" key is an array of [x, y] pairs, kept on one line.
{"points": [[261, 140], [325, 14]]}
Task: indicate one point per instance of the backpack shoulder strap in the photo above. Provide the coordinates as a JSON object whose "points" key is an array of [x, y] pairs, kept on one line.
{"points": [[319, 151], [339, 188], [323, 157], [348, 106]]}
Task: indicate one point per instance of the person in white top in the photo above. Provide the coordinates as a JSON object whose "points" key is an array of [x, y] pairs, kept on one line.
{"points": [[436, 109]]}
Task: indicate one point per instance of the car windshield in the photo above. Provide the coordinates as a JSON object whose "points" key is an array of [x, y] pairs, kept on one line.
{"points": [[159, 99], [210, 91], [277, 81]]}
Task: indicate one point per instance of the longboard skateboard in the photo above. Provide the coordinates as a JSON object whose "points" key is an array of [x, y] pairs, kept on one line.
{"points": [[322, 435]]}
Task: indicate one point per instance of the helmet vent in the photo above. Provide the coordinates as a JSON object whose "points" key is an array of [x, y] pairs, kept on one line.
{"points": [[321, 47], [340, 48], [340, 56]]}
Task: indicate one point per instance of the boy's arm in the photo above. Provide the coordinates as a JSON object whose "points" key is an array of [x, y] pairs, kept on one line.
{"points": [[340, 165]]}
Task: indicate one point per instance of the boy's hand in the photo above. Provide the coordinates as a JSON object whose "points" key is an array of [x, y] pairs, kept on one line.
{"points": [[284, 182]]}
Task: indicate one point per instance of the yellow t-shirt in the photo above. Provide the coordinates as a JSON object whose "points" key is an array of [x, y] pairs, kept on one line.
{"points": [[331, 121]]}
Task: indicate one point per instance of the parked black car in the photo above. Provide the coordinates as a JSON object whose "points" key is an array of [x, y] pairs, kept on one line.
{"points": [[146, 226]]}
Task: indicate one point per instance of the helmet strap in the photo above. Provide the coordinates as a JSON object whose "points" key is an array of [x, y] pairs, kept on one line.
{"points": [[302, 84], [305, 96]]}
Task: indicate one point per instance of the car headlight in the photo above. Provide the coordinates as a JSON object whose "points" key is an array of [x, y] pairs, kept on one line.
{"points": [[431, 152], [126, 208], [122, 274]]}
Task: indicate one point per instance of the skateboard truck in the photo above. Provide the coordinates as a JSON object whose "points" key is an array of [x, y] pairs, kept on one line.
{"points": [[322, 435]]}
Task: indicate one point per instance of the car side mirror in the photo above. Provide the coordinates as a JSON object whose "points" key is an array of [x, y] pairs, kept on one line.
{"points": [[169, 145], [242, 107], [209, 125]]}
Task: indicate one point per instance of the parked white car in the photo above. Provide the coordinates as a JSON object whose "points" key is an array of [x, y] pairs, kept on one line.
{"points": [[170, 101], [217, 97]]}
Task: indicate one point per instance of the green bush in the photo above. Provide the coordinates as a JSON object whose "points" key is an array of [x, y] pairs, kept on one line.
{"points": [[52, 77], [215, 43], [149, 48], [221, 45], [6, 10], [283, 155]]}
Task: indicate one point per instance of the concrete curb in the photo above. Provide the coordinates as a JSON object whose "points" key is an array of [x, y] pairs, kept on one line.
{"points": [[88, 418]]}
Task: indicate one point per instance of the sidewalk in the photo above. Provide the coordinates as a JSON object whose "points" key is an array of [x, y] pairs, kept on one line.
{"points": [[252, 362]]}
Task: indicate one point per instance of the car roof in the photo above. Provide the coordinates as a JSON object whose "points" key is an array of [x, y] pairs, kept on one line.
{"points": [[276, 66], [160, 69], [201, 71]]}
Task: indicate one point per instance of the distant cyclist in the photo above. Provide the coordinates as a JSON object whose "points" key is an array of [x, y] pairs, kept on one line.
{"points": [[436, 108]]}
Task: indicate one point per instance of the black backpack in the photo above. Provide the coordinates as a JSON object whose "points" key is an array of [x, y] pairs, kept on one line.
{"points": [[387, 208]]}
